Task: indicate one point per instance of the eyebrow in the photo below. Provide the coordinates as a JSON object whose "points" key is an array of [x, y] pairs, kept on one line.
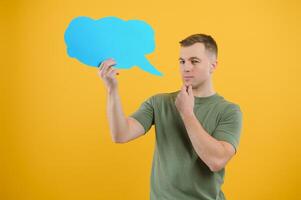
{"points": [[193, 57]]}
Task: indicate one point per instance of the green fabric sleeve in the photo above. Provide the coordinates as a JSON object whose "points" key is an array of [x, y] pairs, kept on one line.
{"points": [[145, 114], [230, 125]]}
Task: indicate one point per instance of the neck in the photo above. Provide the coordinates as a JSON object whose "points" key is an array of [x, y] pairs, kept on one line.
{"points": [[204, 90]]}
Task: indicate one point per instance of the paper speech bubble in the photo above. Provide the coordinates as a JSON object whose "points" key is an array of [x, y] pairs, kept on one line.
{"points": [[127, 42]]}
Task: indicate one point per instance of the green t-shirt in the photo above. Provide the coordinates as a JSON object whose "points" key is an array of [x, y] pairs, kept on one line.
{"points": [[178, 173]]}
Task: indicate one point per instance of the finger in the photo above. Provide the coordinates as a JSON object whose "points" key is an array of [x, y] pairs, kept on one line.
{"points": [[104, 61], [112, 73], [183, 89], [103, 69], [108, 71], [115, 71], [190, 90], [107, 65], [100, 66]]}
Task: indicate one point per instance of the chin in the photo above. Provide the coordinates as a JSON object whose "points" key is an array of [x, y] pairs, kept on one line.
{"points": [[189, 83]]}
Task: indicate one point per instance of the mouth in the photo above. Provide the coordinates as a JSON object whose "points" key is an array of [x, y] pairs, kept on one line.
{"points": [[188, 77]]}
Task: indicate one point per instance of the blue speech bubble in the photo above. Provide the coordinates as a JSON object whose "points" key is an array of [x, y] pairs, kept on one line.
{"points": [[93, 41]]}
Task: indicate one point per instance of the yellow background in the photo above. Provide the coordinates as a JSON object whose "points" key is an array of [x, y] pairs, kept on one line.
{"points": [[55, 140]]}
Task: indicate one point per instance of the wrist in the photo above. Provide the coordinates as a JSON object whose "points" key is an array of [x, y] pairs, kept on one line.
{"points": [[187, 115], [112, 90]]}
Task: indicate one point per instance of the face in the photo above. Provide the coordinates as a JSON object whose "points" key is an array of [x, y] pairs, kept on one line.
{"points": [[196, 64]]}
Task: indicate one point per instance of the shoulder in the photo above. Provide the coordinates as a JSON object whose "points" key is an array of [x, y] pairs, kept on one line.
{"points": [[230, 109], [162, 96], [227, 107], [231, 106]]}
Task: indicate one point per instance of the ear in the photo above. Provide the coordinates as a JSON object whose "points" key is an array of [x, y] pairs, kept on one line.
{"points": [[213, 65]]}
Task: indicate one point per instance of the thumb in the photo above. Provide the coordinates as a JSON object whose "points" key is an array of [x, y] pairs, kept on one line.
{"points": [[183, 89]]}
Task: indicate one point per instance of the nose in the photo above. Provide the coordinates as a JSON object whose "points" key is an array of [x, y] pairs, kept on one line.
{"points": [[187, 67]]}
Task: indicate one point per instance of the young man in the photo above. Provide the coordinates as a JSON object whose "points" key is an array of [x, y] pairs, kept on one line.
{"points": [[197, 130]]}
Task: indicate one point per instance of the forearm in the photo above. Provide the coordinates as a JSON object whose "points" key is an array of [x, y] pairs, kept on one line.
{"points": [[210, 150], [117, 120]]}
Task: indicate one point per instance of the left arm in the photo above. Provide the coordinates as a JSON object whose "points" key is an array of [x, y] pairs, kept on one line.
{"points": [[214, 153]]}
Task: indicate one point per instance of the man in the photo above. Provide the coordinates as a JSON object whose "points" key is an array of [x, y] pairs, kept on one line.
{"points": [[197, 130]]}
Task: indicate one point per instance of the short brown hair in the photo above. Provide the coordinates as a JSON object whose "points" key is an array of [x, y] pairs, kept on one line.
{"points": [[207, 40]]}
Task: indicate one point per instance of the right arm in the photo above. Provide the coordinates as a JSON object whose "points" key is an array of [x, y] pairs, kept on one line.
{"points": [[122, 129]]}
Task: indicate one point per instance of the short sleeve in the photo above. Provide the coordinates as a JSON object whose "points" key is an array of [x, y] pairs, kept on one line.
{"points": [[145, 114], [230, 125]]}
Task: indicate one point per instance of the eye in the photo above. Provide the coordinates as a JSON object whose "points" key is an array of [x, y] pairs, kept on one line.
{"points": [[181, 62], [194, 61]]}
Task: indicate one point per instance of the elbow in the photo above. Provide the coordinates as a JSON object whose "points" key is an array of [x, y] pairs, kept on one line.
{"points": [[216, 166], [118, 140]]}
